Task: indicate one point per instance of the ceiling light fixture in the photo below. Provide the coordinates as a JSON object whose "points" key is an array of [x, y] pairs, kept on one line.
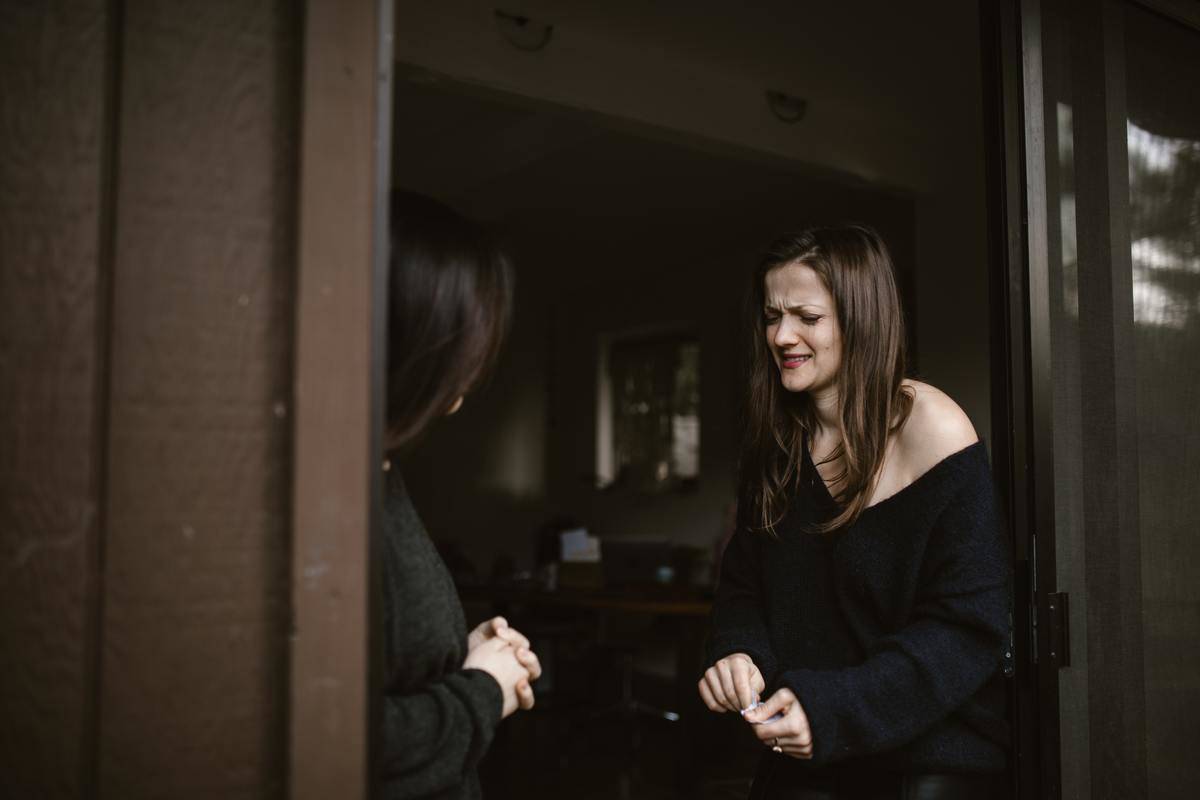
{"points": [[522, 32], [787, 108]]}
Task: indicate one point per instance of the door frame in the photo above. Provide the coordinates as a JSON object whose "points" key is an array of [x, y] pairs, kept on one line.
{"points": [[338, 394], [340, 357], [1018, 247]]}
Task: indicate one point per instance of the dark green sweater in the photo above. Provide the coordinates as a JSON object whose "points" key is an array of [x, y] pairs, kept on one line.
{"points": [[438, 718]]}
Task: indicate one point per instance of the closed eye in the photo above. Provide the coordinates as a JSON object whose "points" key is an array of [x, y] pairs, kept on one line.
{"points": [[772, 318]]}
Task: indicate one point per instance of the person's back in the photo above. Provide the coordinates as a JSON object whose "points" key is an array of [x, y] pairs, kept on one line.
{"points": [[444, 690]]}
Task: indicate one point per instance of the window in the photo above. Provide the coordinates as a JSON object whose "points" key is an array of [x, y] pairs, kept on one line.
{"points": [[648, 425]]}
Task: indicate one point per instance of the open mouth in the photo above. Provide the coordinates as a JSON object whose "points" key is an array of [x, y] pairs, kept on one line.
{"points": [[793, 360]]}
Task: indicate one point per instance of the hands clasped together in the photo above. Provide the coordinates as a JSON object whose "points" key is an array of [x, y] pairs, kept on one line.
{"points": [[734, 684], [504, 653]]}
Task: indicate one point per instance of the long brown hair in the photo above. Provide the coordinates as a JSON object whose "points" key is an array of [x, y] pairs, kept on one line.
{"points": [[856, 268], [449, 303]]}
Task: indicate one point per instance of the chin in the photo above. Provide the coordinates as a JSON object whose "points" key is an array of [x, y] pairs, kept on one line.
{"points": [[795, 386]]}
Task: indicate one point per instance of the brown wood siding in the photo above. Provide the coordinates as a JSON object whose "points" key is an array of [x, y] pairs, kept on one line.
{"points": [[52, 88], [193, 685], [341, 306]]}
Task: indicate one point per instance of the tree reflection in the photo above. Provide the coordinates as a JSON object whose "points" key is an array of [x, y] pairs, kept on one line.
{"points": [[1164, 226]]}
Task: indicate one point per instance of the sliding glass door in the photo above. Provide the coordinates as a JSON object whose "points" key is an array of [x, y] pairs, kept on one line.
{"points": [[1112, 193]]}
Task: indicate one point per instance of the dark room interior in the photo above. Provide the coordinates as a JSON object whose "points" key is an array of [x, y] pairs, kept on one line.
{"points": [[628, 228]]}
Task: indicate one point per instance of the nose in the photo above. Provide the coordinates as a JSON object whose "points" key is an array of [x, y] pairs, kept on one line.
{"points": [[786, 333]]}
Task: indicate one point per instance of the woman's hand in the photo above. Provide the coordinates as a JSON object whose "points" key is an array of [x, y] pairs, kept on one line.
{"points": [[731, 684], [499, 659], [497, 628], [790, 735]]}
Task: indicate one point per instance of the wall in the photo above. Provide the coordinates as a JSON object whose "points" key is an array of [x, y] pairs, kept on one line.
{"points": [[146, 237], [952, 276], [632, 235], [894, 99], [195, 547], [52, 135]]}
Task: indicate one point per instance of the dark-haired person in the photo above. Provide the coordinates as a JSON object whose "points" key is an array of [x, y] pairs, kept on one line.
{"points": [[864, 594], [445, 690]]}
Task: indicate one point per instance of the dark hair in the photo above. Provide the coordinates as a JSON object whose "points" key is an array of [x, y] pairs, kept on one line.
{"points": [[449, 302], [855, 266]]}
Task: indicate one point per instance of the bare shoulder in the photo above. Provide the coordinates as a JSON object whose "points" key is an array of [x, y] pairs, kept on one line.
{"points": [[936, 428]]}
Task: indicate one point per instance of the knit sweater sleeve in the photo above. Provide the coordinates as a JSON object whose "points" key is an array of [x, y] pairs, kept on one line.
{"points": [[738, 617], [435, 736], [437, 719], [952, 644]]}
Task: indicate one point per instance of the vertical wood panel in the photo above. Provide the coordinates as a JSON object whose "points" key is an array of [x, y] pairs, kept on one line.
{"points": [[341, 313], [194, 677], [52, 89]]}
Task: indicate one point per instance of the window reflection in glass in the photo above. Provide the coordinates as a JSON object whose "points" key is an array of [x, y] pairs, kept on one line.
{"points": [[1066, 209], [1164, 205]]}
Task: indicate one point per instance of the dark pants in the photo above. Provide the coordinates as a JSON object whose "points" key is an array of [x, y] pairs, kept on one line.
{"points": [[779, 780]]}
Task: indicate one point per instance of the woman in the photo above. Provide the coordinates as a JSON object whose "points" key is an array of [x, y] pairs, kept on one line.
{"points": [[865, 592], [445, 691]]}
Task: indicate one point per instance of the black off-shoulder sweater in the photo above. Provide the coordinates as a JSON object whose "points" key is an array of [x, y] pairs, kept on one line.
{"points": [[438, 718], [891, 632]]}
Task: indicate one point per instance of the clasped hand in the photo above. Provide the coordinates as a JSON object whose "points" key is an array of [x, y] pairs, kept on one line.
{"points": [[734, 684], [504, 653]]}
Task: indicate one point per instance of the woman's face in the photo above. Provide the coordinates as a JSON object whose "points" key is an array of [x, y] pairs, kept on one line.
{"points": [[800, 319]]}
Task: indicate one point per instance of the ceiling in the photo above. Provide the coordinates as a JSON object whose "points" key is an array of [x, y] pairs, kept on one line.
{"points": [[557, 179], [898, 59], [556, 183]]}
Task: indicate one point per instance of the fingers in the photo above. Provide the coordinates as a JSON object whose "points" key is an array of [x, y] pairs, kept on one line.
{"points": [[478, 635], [776, 703], [733, 683], [741, 669], [525, 657], [524, 695], [796, 751], [707, 696], [712, 682], [512, 636], [788, 726], [530, 662], [494, 645], [499, 628], [773, 730], [792, 733], [726, 676], [787, 736], [717, 683], [486, 655]]}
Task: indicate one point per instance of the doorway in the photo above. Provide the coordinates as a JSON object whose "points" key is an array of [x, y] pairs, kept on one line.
{"points": [[634, 161]]}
